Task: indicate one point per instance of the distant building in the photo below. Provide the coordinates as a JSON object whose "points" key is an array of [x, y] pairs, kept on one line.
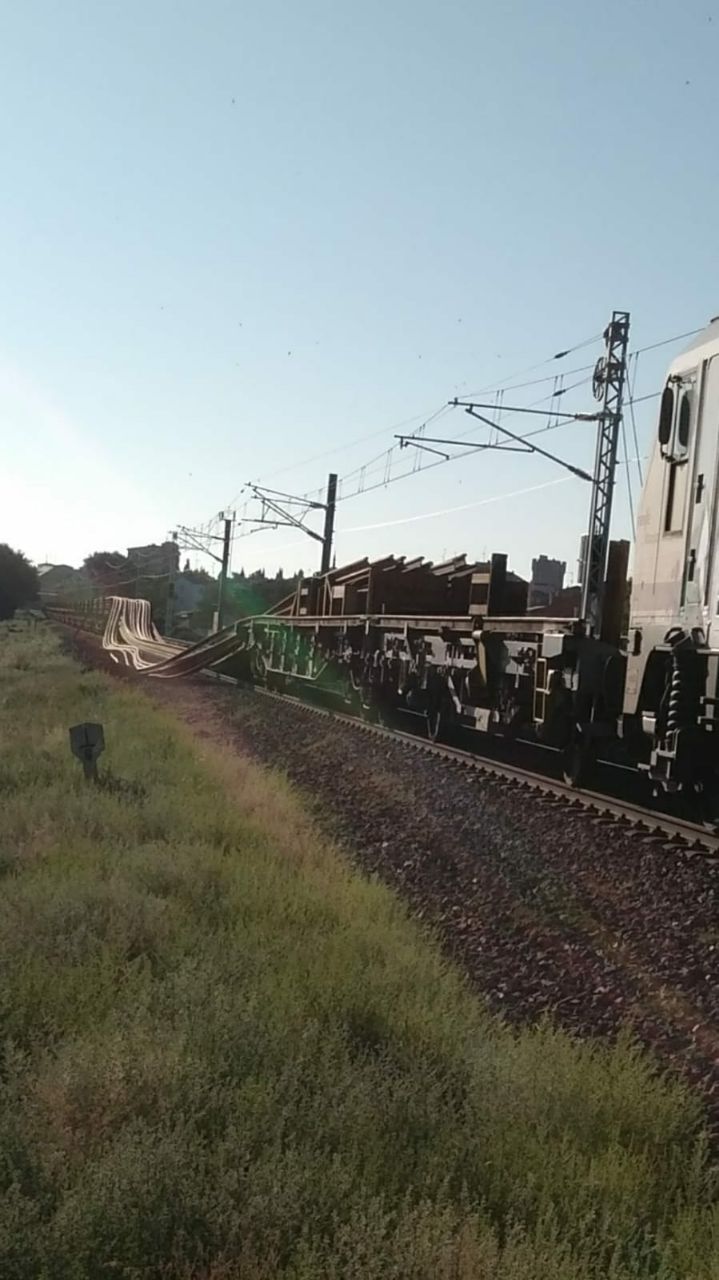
{"points": [[566, 604], [156, 558], [61, 580], [546, 582]]}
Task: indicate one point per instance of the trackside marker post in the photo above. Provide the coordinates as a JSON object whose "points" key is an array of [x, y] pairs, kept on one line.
{"points": [[86, 742]]}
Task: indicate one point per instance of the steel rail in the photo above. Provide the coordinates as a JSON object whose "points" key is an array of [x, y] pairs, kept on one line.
{"points": [[692, 836]]}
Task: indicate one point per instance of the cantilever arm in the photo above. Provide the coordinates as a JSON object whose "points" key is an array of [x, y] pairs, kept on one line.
{"points": [[532, 448]]}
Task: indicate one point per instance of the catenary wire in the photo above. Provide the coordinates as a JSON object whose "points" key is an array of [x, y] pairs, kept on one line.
{"points": [[507, 384], [559, 355]]}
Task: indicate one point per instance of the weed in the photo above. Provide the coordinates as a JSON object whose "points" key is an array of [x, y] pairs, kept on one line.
{"points": [[226, 1056]]}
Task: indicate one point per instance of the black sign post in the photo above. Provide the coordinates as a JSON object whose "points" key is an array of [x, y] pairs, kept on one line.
{"points": [[86, 742]]}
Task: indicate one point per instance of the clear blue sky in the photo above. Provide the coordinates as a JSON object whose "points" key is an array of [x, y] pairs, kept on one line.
{"points": [[234, 236]]}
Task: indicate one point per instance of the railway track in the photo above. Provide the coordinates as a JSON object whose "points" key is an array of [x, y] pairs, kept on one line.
{"points": [[677, 833]]}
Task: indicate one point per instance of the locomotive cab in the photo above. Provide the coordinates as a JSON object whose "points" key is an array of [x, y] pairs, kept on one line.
{"points": [[671, 687]]}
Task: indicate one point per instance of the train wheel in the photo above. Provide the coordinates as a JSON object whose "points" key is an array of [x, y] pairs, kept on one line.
{"points": [[366, 704], [435, 724], [352, 694], [372, 708], [440, 719], [258, 667], [701, 803], [578, 762]]}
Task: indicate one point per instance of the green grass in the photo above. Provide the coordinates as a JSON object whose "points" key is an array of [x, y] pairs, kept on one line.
{"points": [[225, 1054]]}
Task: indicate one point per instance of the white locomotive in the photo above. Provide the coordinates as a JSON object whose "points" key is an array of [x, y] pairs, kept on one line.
{"points": [[673, 645]]}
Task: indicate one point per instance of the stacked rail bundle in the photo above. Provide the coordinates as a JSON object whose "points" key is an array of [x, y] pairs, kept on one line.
{"points": [[394, 585]]}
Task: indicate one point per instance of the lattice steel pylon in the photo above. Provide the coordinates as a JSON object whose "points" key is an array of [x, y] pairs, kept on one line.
{"points": [[609, 379]]}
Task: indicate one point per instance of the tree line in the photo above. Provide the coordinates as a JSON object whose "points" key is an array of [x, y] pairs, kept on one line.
{"points": [[115, 573], [19, 583], [244, 596]]}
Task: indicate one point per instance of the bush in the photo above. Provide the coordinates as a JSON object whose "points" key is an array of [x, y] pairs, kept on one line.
{"points": [[19, 582]]}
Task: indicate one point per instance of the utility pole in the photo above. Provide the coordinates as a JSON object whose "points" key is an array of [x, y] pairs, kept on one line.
{"points": [[226, 541], [329, 523], [170, 602], [197, 539], [278, 511], [609, 379]]}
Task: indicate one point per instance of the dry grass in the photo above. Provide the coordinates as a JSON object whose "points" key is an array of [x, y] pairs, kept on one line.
{"points": [[225, 1055]]}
